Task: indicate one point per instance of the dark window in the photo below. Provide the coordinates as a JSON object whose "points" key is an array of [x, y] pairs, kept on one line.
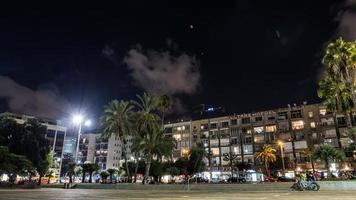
{"points": [[341, 121], [258, 119], [213, 126], [246, 131], [51, 133], [271, 118], [234, 122], [296, 114], [168, 130], [299, 135], [282, 115], [248, 140], [245, 120], [234, 141], [224, 124]]}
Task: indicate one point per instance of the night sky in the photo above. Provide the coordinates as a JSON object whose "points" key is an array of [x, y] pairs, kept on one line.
{"points": [[242, 55]]}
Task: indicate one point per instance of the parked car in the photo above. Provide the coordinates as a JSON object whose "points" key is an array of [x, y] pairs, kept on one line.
{"points": [[240, 179], [218, 180], [285, 179]]}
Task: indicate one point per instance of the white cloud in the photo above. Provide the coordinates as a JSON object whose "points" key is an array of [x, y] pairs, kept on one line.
{"points": [[160, 72]]}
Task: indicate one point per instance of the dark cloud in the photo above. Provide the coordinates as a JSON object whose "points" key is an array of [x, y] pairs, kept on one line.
{"points": [[347, 27], [44, 102]]}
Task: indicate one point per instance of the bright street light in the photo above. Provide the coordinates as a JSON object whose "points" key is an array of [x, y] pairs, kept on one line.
{"points": [[87, 123], [281, 144], [77, 119]]}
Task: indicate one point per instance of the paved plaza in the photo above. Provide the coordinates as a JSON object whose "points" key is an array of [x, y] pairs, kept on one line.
{"points": [[102, 194]]}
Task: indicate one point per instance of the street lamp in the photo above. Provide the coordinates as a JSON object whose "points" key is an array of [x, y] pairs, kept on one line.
{"points": [[280, 143], [78, 120]]}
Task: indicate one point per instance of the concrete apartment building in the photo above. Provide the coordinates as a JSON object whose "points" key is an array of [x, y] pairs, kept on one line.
{"points": [[297, 127], [106, 153]]}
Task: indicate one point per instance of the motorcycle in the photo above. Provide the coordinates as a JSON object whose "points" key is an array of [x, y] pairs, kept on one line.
{"points": [[305, 185]]}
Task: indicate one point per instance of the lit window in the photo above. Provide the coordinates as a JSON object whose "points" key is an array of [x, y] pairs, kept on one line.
{"points": [[184, 152], [296, 125], [179, 128], [177, 137], [215, 151], [271, 128], [312, 124], [322, 111], [237, 150], [258, 129], [310, 114], [259, 138]]}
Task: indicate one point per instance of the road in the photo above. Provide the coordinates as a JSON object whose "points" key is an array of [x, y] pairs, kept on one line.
{"points": [[79, 194]]}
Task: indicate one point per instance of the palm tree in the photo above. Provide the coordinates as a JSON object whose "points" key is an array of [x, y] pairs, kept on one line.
{"points": [[104, 175], [92, 168], [164, 103], [111, 172], [340, 59], [155, 144], [268, 154], [71, 171], [230, 157], [117, 120], [309, 153], [328, 154], [147, 117], [85, 169], [337, 99]]}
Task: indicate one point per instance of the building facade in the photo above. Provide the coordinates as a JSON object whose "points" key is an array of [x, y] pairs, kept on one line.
{"points": [[294, 128], [107, 153]]}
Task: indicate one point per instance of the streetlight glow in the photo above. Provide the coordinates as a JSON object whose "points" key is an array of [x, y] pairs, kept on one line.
{"points": [[280, 143], [87, 123], [77, 119]]}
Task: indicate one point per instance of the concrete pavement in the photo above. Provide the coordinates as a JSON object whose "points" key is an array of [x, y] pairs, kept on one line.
{"points": [[79, 194]]}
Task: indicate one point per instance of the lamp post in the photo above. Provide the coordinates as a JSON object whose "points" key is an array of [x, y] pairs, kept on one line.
{"points": [[280, 143], [78, 120]]}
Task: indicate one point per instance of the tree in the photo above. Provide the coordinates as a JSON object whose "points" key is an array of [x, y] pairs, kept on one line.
{"points": [[164, 103], [104, 175], [231, 158], [337, 99], [93, 167], [116, 120], [150, 139], [156, 170], [268, 154], [71, 171], [309, 153], [13, 164], [182, 165], [338, 84], [340, 60], [147, 117], [195, 162], [155, 143], [111, 172], [328, 154], [28, 139], [85, 169]]}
